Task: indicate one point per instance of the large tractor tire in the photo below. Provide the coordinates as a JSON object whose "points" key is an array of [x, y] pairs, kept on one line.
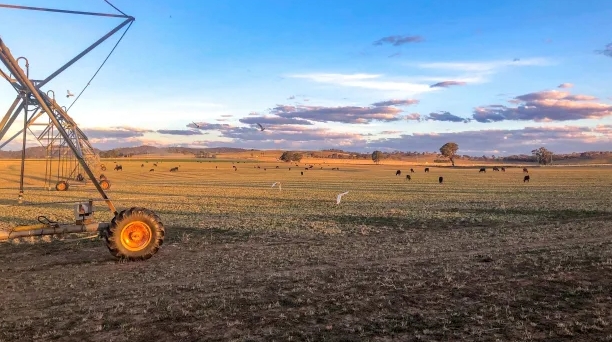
{"points": [[105, 184], [61, 186], [135, 234]]}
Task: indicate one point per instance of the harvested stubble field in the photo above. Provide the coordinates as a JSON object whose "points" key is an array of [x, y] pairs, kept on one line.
{"points": [[482, 257]]}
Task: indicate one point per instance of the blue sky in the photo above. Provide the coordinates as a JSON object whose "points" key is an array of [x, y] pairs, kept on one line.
{"points": [[323, 74]]}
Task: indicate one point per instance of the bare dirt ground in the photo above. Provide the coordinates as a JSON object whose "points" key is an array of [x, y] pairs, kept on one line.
{"points": [[439, 264]]}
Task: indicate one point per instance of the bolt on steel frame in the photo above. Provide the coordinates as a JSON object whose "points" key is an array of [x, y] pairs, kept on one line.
{"points": [[62, 131]]}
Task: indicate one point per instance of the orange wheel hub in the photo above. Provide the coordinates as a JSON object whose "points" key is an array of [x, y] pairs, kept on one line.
{"points": [[136, 236]]}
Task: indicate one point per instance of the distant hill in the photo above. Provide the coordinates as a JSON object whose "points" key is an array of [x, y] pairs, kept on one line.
{"points": [[142, 151], [31, 153]]}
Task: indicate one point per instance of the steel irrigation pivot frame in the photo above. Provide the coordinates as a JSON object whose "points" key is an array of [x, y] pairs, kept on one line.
{"points": [[133, 234]]}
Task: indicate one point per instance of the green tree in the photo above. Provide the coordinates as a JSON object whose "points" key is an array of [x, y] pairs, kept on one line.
{"points": [[543, 156], [289, 156], [449, 150], [377, 156], [297, 157]]}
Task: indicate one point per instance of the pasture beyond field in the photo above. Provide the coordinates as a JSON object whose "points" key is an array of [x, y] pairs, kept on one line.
{"points": [[482, 256]]}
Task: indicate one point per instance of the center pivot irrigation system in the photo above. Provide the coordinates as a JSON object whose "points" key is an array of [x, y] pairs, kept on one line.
{"points": [[133, 234]]}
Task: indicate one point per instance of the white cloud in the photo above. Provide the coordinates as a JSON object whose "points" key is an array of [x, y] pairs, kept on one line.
{"points": [[484, 67], [367, 81]]}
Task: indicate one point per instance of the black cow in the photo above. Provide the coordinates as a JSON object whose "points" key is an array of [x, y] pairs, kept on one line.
{"points": [[526, 179], [118, 168], [141, 165], [525, 170], [411, 170], [503, 169], [151, 170], [408, 177], [302, 173], [154, 164], [426, 169], [440, 179], [398, 172], [482, 169], [174, 169], [495, 168]]}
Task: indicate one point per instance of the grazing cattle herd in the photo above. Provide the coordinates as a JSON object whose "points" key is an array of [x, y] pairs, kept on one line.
{"points": [[480, 170], [526, 179]]}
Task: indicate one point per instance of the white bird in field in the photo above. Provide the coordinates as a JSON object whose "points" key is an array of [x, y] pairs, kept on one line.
{"points": [[340, 197], [69, 94], [279, 185]]}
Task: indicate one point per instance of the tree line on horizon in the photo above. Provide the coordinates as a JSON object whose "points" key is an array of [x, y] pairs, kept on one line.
{"points": [[540, 155]]}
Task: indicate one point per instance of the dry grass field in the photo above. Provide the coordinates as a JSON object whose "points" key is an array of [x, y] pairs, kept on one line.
{"points": [[482, 257]]}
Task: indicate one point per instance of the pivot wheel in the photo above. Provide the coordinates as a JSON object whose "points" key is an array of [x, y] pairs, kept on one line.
{"points": [[102, 177], [61, 186], [102, 167], [105, 184], [135, 234]]}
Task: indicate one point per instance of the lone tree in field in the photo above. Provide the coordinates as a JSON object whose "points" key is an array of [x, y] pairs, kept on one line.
{"points": [[377, 156], [543, 156], [449, 150], [289, 156]]}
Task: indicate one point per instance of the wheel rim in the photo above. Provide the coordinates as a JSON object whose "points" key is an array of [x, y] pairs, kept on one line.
{"points": [[104, 185], [135, 236], [61, 186]]}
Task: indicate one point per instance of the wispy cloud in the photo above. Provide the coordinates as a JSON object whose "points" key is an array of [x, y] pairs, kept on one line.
{"points": [[447, 84], [346, 114], [413, 117], [545, 106], [395, 103], [179, 132], [484, 66], [446, 116], [274, 120], [205, 126], [607, 51], [398, 40], [115, 132], [366, 81]]}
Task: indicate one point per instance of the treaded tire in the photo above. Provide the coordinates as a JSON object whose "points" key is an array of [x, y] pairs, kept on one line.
{"points": [[135, 216], [105, 184], [61, 186]]}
